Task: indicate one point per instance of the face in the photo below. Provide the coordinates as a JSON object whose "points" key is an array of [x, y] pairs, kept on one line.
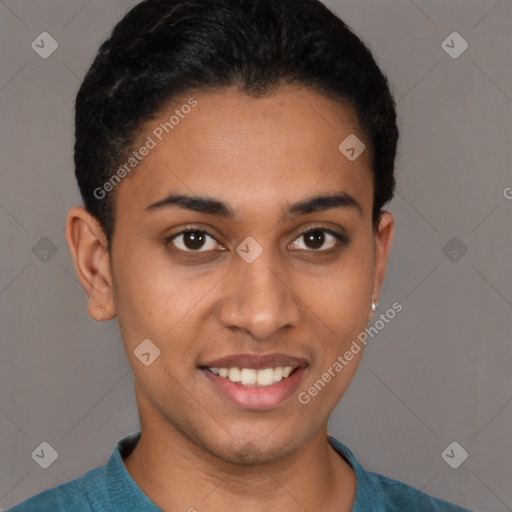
{"points": [[265, 280]]}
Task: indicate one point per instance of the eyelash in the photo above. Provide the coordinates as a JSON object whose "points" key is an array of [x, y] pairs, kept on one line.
{"points": [[342, 240]]}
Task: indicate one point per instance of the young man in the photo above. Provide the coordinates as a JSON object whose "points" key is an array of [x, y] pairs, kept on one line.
{"points": [[234, 157]]}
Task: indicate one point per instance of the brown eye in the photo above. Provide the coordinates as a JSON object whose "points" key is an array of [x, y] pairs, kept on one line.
{"points": [[319, 239], [194, 240], [314, 239]]}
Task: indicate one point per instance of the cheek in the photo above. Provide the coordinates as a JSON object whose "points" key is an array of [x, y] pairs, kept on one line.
{"points": [[154, 303], [340, 305], [144, 295], [156, 300], [341, 298]]}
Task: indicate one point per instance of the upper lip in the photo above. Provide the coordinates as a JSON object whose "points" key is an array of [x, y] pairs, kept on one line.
{"points": [[255, 361]]}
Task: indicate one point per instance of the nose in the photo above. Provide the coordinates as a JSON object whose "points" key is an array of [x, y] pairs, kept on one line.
{"points": [[259, 298]]}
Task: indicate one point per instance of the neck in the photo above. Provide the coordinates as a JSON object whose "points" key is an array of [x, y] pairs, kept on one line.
{"points": [[177, 474]]}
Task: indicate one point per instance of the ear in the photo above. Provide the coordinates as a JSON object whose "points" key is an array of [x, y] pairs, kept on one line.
{"points": [[382, 244], [88, 245]]}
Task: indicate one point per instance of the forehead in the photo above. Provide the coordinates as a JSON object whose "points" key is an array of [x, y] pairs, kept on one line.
{"points": [[243, 149]]}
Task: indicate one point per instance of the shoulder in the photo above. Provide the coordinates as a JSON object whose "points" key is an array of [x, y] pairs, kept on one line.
{"points": [[399, 496], [380, 493], [107, 488], [74, 496]]}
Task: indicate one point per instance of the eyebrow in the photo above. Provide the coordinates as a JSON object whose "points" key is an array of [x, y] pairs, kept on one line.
{"points": [[211, 206]]}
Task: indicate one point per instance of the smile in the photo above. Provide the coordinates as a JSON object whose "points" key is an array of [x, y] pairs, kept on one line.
{"points": [[251, 377], [255, 381]]}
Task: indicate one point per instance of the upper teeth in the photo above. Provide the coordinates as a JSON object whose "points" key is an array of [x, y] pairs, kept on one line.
{"points": [[251, 377]]}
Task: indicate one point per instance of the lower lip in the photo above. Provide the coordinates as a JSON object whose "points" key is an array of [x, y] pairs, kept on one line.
{"points": [[257, 398]]}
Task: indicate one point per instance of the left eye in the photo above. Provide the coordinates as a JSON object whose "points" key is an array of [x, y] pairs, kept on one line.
{"points": [[316, 238]]}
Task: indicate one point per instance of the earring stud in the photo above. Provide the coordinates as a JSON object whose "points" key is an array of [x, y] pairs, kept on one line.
{"points": [[375, 306]]}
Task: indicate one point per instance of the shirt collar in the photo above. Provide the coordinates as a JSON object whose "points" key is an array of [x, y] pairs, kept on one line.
{"points": [[124, 490], [368, 495]]}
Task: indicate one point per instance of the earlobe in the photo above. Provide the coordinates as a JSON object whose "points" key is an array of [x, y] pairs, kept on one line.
{"points": [[88, 245], [383, 241]]}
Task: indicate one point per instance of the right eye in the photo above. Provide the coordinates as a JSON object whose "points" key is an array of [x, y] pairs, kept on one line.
{"points": [[193, 240]]}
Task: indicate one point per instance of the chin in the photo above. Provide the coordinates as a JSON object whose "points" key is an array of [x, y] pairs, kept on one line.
{"points": [[250, 454], [250, 450]]}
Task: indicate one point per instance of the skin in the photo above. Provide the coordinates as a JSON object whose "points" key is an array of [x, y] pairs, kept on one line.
{"points": [[258, 156]]}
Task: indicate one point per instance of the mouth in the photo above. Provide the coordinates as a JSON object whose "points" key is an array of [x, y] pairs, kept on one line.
{"points": [[255, 382], [251, 377]]}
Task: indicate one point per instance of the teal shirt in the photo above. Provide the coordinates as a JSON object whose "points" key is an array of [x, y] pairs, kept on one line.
{"points": [[110, 488]]}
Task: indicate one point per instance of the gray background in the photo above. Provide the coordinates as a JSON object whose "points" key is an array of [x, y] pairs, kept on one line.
{"points": [[439, 372]]}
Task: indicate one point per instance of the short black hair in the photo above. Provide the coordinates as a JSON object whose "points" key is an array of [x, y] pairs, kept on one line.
{"points": [[163, 48]]}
